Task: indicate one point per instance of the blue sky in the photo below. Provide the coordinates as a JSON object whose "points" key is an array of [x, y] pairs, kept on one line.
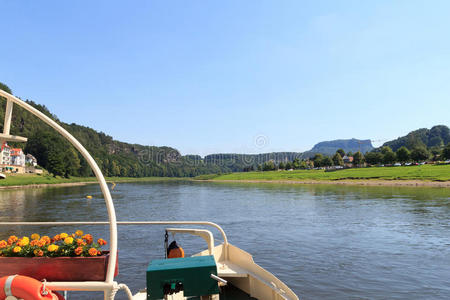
{"points": [[232, 76]]}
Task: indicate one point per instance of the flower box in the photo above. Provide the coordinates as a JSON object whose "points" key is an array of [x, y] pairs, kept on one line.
{"points": [[58, 268]]}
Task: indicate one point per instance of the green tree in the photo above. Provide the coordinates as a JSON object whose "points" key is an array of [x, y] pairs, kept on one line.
{"points": [[374, 158], [435, 152], [296, 163], [420, 154], [5, 88], [71, 162], [281, 166], [269, 166], [341, 152], [327, 162], [446, 152], [303, 165], [403, 154], [288, 165], [337, 159], [317, 159], [55, 163], [358, 158], [389, 156]]}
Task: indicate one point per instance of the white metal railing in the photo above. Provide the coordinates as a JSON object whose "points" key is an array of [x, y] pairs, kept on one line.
{"points": [[81, 223], [97, 172], [110, 288]]}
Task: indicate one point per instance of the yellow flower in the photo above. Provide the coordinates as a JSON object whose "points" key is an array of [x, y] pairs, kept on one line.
{"points": [[68, 240], [23, 241], [17, 249], [53, 248], [79, 232], [3, 244], [63, 235], [35, 236]]}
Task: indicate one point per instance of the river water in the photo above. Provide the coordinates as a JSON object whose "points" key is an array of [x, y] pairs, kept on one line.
{"points": [[323, 241]]}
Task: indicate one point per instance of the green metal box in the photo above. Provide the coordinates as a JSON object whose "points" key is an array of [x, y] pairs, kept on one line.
{"points": [[194, 273]]}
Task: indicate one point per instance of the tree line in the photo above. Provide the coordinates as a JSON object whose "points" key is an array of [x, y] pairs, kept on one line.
{"points": [[384, 155], [117, 158]]}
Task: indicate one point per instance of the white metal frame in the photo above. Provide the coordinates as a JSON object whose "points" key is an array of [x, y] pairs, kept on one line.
{"points": [[109, 286]]}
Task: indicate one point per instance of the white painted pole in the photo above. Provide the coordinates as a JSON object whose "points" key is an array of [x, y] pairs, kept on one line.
{"points": [[102, 182], [8, 115]]}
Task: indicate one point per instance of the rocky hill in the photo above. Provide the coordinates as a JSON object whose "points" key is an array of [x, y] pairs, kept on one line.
{"points": [[436, 137]]}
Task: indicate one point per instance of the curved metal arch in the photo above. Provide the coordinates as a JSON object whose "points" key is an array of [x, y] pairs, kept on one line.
{"points": [[98, 173]]}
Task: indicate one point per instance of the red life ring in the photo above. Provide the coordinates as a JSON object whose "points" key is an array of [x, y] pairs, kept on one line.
{"points": [[27, 288]]}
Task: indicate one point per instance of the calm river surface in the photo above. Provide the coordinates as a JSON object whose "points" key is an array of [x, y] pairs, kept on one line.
{"points": [[325, 242]]}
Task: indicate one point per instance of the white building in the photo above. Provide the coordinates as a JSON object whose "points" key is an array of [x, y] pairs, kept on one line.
{"points": [[5, 154], [30, 159], [17, 157]]}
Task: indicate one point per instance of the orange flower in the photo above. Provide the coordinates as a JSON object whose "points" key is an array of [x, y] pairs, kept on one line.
{"points": [[23, 241], [42, 243], [12, 239], [79, 250], [93, 252], [34, 243], [35, 236], [17, 249], [38, 252], [63, 235], [80, 242], [46, 239], [101, 242], [53, 248], [68, 240], [79, 232], [88, 238], [99, 252], [3, 244], [57, 237]]}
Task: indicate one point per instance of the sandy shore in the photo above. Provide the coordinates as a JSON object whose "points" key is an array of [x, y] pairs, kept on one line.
{"points": [[369, 182], [43, 185]]}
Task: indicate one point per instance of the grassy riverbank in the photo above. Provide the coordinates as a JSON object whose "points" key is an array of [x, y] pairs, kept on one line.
{"points": [[439, 173], [32, 179], [412, 174]]}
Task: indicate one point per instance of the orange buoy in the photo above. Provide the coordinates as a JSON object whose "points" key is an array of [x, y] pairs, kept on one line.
{"points": [[23, 287], [175, 251]]}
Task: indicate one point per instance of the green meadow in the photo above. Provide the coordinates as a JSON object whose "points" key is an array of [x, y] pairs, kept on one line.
{"points": [[422, 172], [33, 179]]}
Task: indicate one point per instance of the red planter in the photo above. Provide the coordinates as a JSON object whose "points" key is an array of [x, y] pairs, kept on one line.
{"points": [[58, 268]]}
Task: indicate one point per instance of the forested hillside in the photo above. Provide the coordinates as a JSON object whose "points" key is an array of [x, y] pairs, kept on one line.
{"points": [[436, 137], [114, 158]]}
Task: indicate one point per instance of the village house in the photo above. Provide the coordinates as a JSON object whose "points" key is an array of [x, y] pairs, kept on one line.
{"points": [[31, 160], [13, 160], [348, 161], [17, 157], [5, 154]]}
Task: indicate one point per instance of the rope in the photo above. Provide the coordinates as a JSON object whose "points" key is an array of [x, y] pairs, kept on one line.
{"points": [[166, 244], [118, 287]]}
